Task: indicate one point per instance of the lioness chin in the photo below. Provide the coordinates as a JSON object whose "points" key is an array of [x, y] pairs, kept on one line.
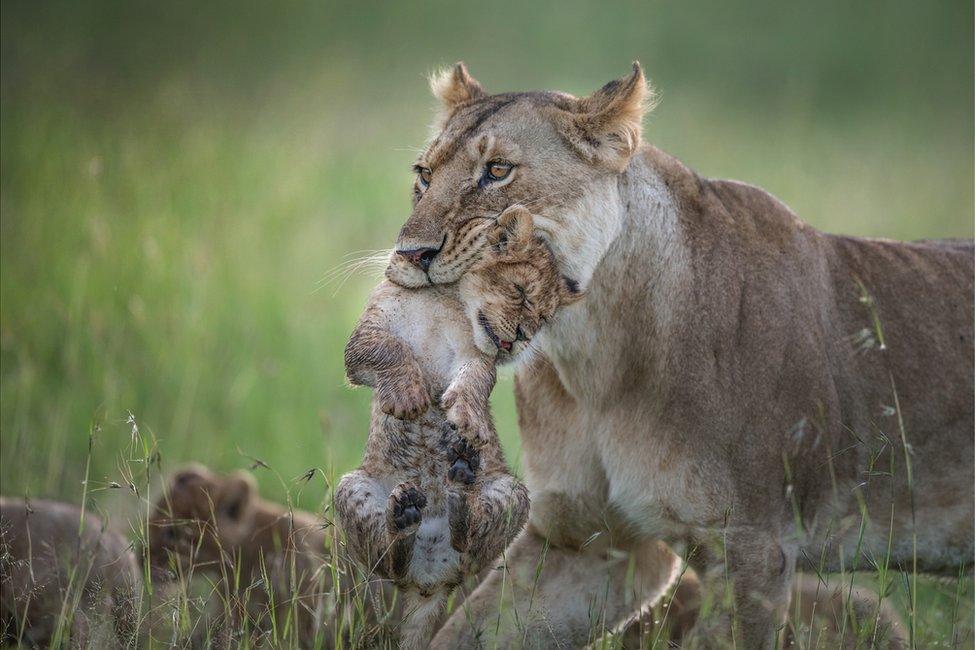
{"points": [[736, 383]]}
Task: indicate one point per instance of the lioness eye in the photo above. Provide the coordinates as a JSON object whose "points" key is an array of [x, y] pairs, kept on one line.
{"points": [[425, 175], [497, 170]]}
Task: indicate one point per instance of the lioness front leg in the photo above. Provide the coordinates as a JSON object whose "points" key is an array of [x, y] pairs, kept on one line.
{"points": [[466, 400], [747, 579], [541, 596], [380, 528]]}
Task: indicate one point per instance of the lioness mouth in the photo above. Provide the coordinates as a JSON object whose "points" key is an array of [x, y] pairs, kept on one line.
{"points": [[497, 340]]}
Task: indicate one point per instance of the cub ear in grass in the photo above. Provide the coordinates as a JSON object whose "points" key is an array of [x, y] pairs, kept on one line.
{"points": [[42, 555], [236, 496]]}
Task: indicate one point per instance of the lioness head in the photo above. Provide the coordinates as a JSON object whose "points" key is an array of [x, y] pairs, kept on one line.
{"points": [[545, 151], [515, 287], [200, 518]]}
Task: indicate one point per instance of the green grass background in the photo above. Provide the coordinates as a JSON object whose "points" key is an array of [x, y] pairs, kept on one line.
{"points": [[177, 177]]}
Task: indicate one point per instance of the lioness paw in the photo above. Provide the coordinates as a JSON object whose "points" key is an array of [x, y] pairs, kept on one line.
{"points": [[405, 505]]}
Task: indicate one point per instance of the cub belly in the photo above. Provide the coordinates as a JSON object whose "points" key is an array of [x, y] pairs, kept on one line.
{"points": [[434, 563]]}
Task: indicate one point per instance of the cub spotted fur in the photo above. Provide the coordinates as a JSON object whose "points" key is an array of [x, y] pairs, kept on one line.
{"points": [[433, 501], [723, 386]]}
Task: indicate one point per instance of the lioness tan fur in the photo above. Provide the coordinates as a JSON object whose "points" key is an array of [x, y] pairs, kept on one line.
{"points": [[735, 382], [54, 573], [433, 501]]}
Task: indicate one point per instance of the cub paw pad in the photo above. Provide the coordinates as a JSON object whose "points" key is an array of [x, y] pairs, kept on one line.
{"points": [[407, 506], [465, 462]]}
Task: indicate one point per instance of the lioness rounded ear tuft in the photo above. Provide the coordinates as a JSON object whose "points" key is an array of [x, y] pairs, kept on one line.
{"points": [[606, 127], [238, 490], [454, 86]]}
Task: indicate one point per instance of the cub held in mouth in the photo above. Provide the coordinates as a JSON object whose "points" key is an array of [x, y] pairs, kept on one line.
{"points": [[433, 501]]}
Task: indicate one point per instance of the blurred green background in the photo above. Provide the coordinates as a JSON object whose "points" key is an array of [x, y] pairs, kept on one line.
{"points": [[177, 177]]}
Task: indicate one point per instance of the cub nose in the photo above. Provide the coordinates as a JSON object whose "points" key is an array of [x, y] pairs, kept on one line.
{"points": [[419, 257]]}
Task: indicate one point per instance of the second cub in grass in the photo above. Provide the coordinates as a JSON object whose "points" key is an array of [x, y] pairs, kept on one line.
{"points": [[273, 563], [433, 500]]}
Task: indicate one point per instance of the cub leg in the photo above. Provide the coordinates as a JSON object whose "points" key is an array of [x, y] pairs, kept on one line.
{"points": [[380, 528], [497, 507], [465, 401], [376, 357]]}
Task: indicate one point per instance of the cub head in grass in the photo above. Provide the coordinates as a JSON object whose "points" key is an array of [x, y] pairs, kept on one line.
{"points": [[200, 518]]}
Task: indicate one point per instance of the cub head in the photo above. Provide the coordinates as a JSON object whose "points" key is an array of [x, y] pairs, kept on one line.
{"points": [[515, 287], [201, 518], [544, 150]]}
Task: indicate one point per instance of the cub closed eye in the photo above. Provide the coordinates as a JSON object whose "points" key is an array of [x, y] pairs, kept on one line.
{"points": [[497, 170]]}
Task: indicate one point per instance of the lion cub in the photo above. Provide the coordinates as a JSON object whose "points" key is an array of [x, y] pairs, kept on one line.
{"points": [[64, 585], [219, 524], [433, 500]]}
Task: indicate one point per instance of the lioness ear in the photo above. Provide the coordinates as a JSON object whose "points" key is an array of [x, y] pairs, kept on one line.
{"points": [[606, 127], [513, 230], [455, 86], [238, 490]]}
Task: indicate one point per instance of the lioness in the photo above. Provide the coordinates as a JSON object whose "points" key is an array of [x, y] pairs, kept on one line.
{"points": [[433, 502], [735, 382], [65, 577]]}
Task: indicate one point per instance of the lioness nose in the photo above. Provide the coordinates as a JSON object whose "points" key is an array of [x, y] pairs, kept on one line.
{"points": [[419, 257]]}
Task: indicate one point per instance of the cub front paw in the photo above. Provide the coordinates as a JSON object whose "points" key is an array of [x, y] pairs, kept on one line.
{"points": [[465, 461], [467, 419], [405, 505], [403, 400]]}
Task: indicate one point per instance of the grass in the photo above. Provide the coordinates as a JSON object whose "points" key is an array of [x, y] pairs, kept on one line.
{"points": [[174, 186]]}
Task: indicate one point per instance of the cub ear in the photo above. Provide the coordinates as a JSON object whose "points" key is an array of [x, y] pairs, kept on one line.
{"points": [[238, 490], [512, 232], [569, 291], [189, 476], [455, 86], [606, 127]]}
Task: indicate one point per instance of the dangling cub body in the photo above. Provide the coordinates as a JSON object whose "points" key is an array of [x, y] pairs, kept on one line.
{"points": [[433, 500]]}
